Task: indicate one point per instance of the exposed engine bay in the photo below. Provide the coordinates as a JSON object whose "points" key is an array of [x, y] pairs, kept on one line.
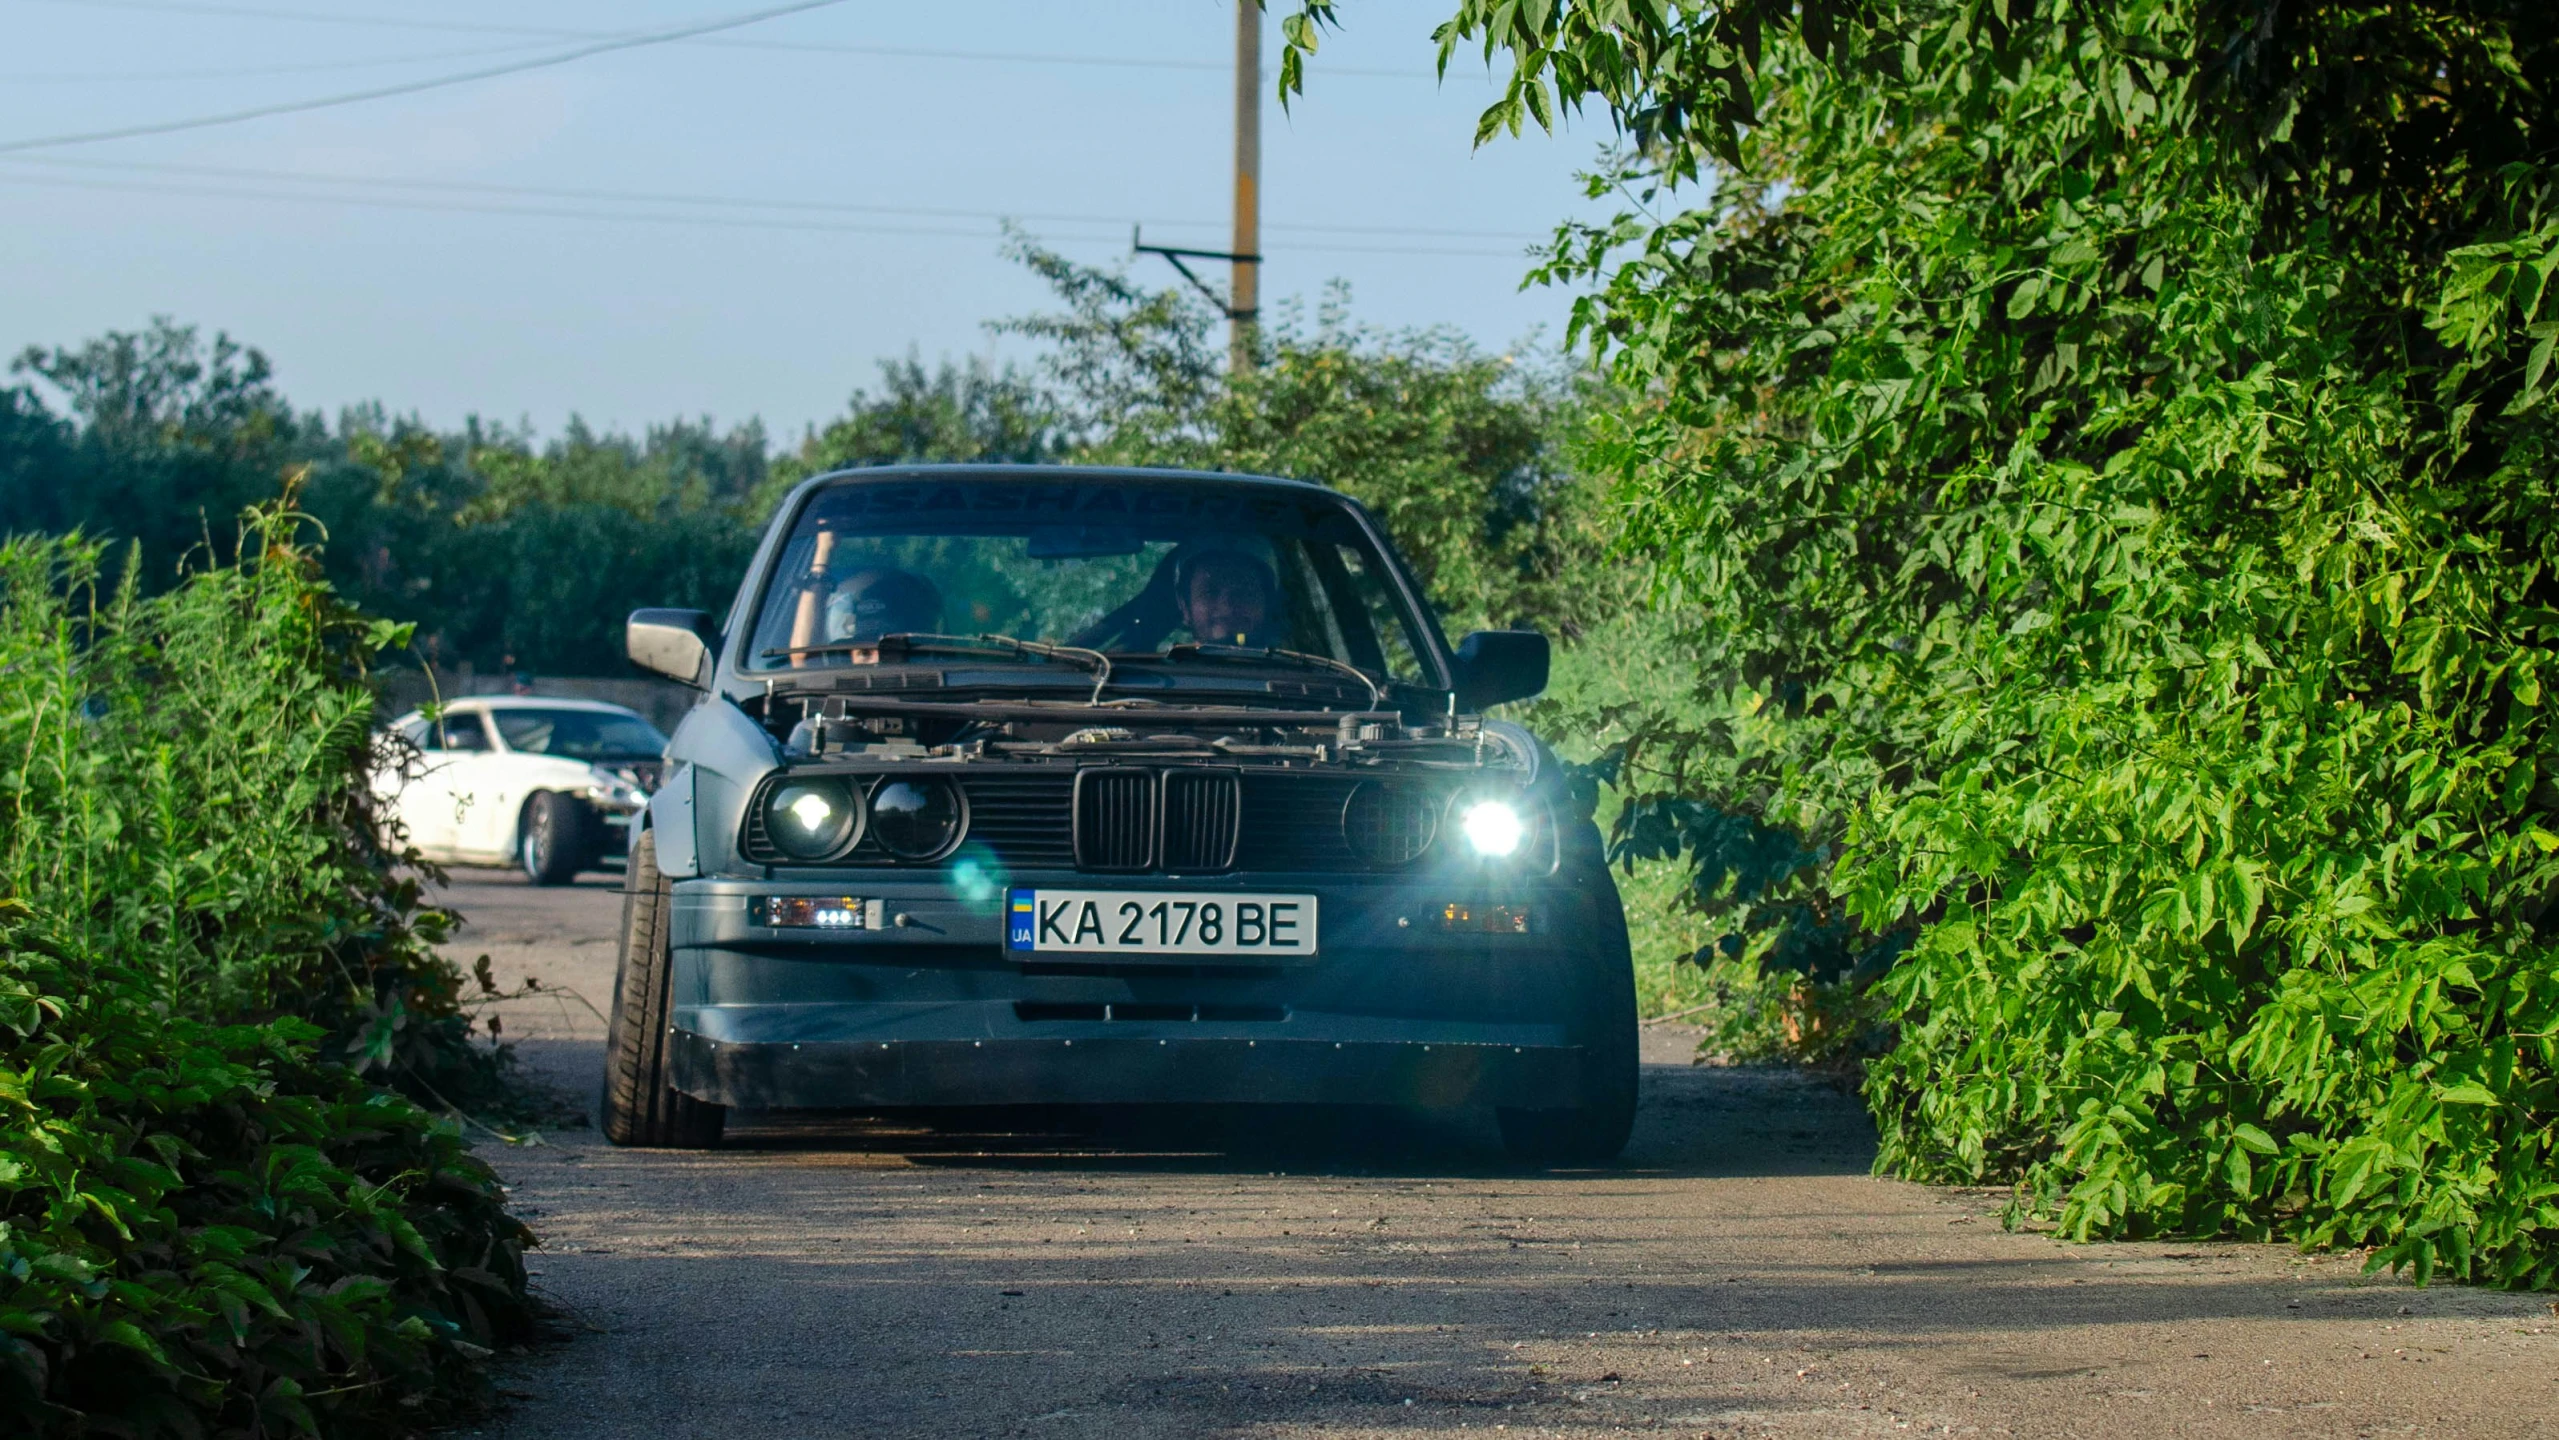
{"points": [[853, 728]]}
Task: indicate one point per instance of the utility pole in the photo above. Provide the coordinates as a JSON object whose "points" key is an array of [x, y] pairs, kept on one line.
{"points": [[1243, 297], [1244, 290]]}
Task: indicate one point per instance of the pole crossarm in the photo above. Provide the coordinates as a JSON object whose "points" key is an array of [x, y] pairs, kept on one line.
{"points": [[1175, 253]]}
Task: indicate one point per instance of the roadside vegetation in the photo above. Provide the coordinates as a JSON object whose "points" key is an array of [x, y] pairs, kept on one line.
{"points": [[2103, 459], [222, 1209]]}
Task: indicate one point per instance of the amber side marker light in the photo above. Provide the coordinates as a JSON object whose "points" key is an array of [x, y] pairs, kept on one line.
{"points": [[798, 912], [1484, 919]]}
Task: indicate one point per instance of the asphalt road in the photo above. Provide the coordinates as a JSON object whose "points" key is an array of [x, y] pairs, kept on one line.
{"points": [[1738, 1274]]}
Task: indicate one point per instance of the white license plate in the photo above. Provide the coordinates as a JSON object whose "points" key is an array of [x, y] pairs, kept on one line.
{"points": [[1159, 922]]}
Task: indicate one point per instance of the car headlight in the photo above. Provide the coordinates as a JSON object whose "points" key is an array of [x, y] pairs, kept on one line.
{"points": [[1493, 828], [812, 819], [916, 819], [1389, 824], [612, 791]]}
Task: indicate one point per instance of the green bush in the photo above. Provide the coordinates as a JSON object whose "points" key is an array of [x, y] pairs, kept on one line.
{"points": [[2104, 455], [205, 1230], [1731, 931], [209, 1221], [184, 785]]}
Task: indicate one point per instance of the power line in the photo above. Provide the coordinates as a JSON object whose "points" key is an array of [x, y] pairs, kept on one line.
{"points": [[323, 17], [733, 202], [246, 72], [392, 202], [817, 47], [601, 47]]}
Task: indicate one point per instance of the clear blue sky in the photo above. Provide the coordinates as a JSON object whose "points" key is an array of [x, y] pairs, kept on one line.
{"points": [[445, 293]]}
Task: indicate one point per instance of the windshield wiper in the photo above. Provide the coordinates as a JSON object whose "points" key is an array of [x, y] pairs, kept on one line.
{"points": [[915, 640], [1376, 692]]}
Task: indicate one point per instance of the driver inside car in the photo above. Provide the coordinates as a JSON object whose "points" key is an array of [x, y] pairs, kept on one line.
{"points": [[878, 600], [1226, 598]]}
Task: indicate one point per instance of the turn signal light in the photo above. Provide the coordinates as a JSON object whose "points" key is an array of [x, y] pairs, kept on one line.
{"points": [[800, 912], [1484, 919]]}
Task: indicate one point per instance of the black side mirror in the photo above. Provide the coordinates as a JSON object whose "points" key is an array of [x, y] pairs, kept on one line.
{"points": [[1498, 665], [678, 644]]}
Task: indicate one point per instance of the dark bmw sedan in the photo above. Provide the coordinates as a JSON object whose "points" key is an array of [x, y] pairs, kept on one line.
{"points": [[1047, 785]]}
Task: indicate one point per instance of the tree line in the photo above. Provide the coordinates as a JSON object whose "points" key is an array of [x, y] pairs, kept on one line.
{"points": [[506, 550]]}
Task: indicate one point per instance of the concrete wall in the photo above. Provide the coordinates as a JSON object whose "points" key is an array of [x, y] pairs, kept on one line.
{"points": [[663, 701]]}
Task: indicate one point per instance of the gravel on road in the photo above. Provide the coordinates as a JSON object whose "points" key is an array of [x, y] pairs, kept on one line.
{"points": [[1738, 1273]]}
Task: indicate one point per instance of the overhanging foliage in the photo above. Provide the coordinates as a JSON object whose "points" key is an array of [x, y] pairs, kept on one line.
{"points": [[2106, 449]]}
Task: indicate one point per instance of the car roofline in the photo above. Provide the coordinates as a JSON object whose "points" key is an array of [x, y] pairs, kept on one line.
{"points": [[983, 470], [544, 702], [522, 702]]}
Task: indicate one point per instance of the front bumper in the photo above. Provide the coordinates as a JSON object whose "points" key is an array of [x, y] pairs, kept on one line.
{"points": [[614, 825], [935, 1011]]}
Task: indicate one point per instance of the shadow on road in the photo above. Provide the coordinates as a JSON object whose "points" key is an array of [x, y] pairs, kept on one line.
{"points": [[1694, 1122]]}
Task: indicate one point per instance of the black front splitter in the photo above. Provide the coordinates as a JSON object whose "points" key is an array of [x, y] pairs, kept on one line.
{"points": [[1117, 1070]]}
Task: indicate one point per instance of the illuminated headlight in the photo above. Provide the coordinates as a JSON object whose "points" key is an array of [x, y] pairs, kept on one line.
{"points": [[1492, 827], [612, 791], [812, 819]]}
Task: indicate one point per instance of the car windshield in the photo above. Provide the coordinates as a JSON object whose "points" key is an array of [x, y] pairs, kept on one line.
{"points": [[1130, 568], [579, 734]]}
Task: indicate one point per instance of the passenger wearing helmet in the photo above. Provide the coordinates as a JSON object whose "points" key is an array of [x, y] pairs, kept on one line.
{"points": [[878, 600], [1228, 598]]}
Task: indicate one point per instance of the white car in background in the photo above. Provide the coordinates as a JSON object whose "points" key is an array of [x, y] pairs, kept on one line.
{"points": [[547, 785]]}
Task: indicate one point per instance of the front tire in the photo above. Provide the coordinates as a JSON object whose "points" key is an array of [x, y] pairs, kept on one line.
{"points": [[640, 1108], [551, 839], [1593, 1132]]}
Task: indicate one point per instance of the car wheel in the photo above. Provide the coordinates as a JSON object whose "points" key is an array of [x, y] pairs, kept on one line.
{"points": [[551, 839], [640, 1108], [1591, 1133]]}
